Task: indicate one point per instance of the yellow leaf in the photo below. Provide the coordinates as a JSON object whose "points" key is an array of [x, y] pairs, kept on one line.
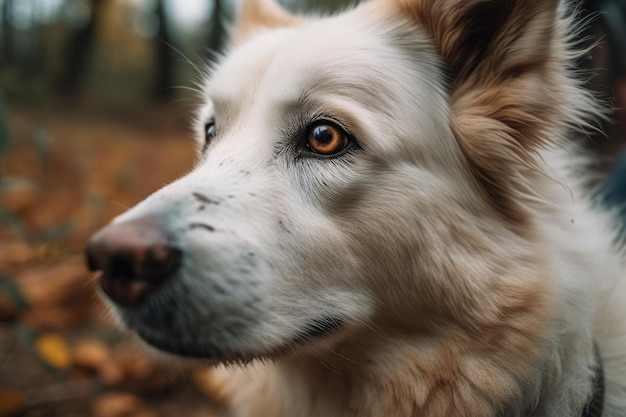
{"points": [[11, 402], [117, 404], [205, 381], [53, 350]]}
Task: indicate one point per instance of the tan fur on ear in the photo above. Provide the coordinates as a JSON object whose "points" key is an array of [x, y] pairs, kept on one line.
{"points": [[480, 38], [506, 63], [257, 15]]}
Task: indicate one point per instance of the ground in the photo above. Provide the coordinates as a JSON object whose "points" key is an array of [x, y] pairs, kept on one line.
{"points": [[65, 173]]}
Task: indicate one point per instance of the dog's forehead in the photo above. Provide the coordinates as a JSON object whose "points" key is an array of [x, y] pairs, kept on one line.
{"points": [[379, 75], [295, 60]]}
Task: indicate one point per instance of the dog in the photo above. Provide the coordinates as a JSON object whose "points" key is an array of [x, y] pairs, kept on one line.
{"points": [[386, 219]]}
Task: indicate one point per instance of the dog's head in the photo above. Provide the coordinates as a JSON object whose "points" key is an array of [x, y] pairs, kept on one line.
{"points": [[357, 171]]}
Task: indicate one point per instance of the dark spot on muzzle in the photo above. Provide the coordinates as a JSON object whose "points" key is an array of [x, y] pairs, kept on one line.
{"points": [[204, 199], [202, 226]]}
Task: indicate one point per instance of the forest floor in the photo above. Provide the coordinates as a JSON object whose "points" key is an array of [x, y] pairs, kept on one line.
{"points": [[64, 174]]}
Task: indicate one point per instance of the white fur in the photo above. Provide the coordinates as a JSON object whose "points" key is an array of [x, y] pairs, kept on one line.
{"points": [[389, 239]]}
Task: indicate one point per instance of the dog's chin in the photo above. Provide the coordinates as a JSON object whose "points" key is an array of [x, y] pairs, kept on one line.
{"points": [[313, 332], [170, 345], [169, 330]]}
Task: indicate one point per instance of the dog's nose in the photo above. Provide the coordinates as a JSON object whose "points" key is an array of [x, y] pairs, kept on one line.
{"points": [[135, 258]]}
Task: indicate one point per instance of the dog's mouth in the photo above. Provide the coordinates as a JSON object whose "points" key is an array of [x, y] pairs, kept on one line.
{"points": [[197, 348], [188, 349]]}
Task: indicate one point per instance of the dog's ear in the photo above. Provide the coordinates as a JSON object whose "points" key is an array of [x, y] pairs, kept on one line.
{"points": [[257, 15], [511, 95], [479, 39]]}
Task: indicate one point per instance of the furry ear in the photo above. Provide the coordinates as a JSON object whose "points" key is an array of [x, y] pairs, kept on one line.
{"points": [[257, 15], [479, 38], [511, 94]]}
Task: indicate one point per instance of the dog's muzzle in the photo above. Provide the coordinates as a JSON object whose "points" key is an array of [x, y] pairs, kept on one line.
{"points": [[135, 258]]}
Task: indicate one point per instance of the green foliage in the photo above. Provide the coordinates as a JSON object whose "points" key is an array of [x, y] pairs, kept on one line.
{"points": [[4, 130], [95, 202], [15, 183], [57, 232], [50, 235], [13, 293], [125, 178], [29, 339], [43, 145], [25, 334], [15, 224]]}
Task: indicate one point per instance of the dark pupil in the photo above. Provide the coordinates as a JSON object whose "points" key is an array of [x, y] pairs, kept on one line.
{"points": [[210, 129], [322, 134]]}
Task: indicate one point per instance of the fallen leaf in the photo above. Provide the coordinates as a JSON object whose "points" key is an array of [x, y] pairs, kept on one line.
{"points": [[204, 380], [8, 310], [53, 349], [12, 402], [14, 252], [138, 371], [117, 404], [111, 374], [49, 285], [91, 354], [144, 413], [54, 318], [94, 356]]}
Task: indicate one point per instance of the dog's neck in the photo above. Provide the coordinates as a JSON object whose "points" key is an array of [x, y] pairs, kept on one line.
{"points": [[405, 378]]}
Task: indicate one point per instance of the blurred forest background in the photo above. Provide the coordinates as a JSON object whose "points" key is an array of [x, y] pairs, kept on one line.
{"points": [[90, 122], [93, 117]]}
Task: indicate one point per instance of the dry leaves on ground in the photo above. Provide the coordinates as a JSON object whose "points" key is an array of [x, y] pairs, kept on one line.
{"points": [[60, 355]]}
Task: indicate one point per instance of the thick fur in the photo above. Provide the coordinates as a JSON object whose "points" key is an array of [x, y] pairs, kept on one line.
{"points": [[450, 262]]}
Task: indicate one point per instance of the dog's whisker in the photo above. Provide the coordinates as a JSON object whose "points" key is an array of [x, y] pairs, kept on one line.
{"points": [[325, 365], [188, 88], [371, 326], [334, 352], [195, 66], [120, 204]]}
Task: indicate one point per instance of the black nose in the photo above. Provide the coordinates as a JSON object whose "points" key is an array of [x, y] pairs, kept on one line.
{"points": [[135, 258]]}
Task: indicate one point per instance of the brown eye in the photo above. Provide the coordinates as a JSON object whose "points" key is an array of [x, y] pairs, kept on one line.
{"points": [[326, 139]]}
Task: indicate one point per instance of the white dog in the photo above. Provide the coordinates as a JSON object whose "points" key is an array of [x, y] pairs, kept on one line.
{"points": [[383, 221]]}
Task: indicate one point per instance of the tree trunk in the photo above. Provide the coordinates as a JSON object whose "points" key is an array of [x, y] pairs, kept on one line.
{"points": [[217, 31], [7, 34], [164, 55], [78, 51]]}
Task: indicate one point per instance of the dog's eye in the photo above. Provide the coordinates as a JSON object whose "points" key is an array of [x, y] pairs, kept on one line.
{"points": [[326, 138], [209, 132]]}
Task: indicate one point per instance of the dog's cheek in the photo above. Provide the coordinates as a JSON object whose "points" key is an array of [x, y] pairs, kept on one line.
{"points": [[316, 273], [408, 232]]}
